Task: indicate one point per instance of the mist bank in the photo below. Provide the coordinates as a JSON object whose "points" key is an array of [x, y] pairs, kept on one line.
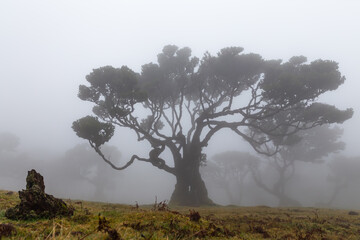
{"points": [[79, 173]]}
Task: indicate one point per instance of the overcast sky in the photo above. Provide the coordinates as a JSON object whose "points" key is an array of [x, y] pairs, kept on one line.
{"points": [[48, 47]]}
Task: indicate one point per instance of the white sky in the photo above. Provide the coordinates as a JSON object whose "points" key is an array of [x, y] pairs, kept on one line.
{"points": [[47, 48]]}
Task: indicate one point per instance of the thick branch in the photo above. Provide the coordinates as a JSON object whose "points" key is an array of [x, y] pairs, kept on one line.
{"points": [[98, 151], [156, 161]]}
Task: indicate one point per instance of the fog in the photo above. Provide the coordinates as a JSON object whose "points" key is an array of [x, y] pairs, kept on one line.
{"points": [[48, 47]]}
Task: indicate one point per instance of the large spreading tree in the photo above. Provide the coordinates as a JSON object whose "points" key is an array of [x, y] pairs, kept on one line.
{"points": [[180, 103]]}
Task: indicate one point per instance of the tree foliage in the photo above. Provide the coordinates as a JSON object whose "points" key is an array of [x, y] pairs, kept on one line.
{"points": [[91, 129]]}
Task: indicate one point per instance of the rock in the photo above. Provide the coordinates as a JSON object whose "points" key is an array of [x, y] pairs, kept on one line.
{"points": [[35, 203]]}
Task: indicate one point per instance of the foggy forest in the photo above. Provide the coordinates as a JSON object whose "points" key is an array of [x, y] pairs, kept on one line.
{"points": [[196, 103]]}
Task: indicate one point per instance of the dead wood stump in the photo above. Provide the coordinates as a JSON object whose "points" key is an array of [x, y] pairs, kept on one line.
{"points": [[35, 203]]}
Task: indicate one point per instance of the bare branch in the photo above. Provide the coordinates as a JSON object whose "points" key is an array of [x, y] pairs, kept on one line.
{"points": [[97, 149]]}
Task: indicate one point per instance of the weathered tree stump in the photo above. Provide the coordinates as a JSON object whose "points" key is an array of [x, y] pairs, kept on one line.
{"points": [[35, 203]]}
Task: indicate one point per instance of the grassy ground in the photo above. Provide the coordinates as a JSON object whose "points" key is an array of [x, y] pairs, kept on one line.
{"points": [[107, 221]]}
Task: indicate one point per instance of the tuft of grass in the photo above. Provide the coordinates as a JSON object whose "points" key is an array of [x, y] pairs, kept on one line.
{"points": [[7, 230]]}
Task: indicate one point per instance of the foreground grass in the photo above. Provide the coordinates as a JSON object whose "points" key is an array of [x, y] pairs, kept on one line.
{"points": [[160, 222]]}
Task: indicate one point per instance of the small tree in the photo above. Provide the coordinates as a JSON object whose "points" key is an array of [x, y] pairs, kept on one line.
{"points": [[188, 101]]}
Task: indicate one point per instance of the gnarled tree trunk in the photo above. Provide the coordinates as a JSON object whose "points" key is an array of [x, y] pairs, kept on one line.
{"points": [[190, 189]]}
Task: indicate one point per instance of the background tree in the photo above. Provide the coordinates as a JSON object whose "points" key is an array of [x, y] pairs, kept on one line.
{"points": [[229, 171], [188, 101], [344, 173], [81, 164], [307, 146], [9, 162], [8, 142]]}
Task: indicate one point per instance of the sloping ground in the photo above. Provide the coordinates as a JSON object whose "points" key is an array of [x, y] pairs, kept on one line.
{"points": [[114, 221]]}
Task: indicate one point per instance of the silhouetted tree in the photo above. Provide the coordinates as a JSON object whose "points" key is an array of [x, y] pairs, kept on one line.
{"points": [[188, 101], [306, 146]]}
